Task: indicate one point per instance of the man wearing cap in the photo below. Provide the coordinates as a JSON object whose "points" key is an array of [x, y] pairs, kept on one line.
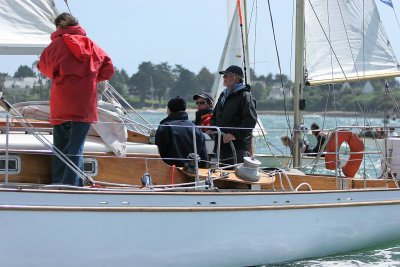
{"points": [[174, 136], [235, 113], [204, 103]]}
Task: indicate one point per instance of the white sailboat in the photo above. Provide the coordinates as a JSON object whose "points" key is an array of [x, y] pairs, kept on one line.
{"points": [[181, 219]]}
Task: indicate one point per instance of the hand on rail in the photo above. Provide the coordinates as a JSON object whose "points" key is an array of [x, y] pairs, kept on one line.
{"points": [[228, 137]]}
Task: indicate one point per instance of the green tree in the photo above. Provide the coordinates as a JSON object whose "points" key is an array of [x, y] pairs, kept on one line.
{"points": [[24, 71], [140, 82], [185, 84], [120, 82], [204, 80], [163, 79]]}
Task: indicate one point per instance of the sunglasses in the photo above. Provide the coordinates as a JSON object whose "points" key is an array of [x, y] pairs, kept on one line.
{"points": [[200, 102]]}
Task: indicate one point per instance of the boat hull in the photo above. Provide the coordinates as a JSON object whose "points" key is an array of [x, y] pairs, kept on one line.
{"points": [[190, 229]]}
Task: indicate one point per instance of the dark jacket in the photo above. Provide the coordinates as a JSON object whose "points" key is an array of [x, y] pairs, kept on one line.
{"points": [[177, 142], [238, 111]]}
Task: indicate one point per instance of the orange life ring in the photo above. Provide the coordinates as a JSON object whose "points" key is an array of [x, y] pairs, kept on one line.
{"points": [[356, 145]]}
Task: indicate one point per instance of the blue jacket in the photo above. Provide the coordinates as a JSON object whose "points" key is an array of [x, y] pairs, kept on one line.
{"points": [[174, 139]]}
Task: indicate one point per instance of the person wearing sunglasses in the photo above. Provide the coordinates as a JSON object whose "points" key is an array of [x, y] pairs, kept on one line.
{"points": [[204, 103], [235, 114]]}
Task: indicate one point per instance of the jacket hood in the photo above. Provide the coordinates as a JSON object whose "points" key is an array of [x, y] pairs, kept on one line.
{"points": [[77, 42], [239, 87], [68, 30]]}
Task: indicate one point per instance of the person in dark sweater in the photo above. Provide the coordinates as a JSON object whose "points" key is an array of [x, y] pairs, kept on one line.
{"points": [[235, 112], [321, 139], [174, 136]]}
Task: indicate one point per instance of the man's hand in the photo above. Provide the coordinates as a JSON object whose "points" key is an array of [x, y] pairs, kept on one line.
{"points": [[228, 137]]}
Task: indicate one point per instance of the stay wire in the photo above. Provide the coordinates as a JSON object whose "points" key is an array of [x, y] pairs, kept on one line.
{"points": [[279, 66], [66, 3]]}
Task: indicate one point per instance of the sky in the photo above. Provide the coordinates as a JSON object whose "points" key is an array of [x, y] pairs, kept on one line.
{"points": [[186, 32]]}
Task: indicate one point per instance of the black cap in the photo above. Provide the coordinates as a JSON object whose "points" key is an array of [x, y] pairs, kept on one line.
{"points": [[206, 96], [233, 69], [176, 104]]}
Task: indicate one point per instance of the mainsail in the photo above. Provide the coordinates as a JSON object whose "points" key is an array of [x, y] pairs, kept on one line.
{"points": [[26, 26], [346, 41]]}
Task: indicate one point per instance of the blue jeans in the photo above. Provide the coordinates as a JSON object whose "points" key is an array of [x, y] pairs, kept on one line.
{"points": [[69, 138]]}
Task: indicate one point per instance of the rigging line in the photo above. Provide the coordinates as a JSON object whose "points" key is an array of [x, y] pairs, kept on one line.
{"points": [[347, 37], [331, 59], [255, 3], [327, 39], [114, 91], [243, 43], [279, 66], [66, 2], [57, 152]]}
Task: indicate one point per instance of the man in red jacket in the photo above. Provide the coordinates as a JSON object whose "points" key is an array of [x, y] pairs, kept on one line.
{"points": [[75, 64]]}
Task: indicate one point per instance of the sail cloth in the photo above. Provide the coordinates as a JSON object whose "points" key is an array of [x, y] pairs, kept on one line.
{"points": [[231, 55], [25, 26], [110, 127], [346, 41]]}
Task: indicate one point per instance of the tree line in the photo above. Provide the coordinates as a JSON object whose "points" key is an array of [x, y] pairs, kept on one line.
{"points": [[154, 84]]}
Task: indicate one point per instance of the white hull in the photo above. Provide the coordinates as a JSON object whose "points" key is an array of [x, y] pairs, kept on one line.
{"points": [[189, 229]]}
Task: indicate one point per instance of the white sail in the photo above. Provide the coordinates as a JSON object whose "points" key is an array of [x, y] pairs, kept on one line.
{"points": [[346, 41], [26, 26], [231, 6], [231, 55]]}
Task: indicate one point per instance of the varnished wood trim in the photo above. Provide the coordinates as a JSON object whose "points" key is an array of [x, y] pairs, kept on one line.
{"points": [[209, 193], [195, 209]]}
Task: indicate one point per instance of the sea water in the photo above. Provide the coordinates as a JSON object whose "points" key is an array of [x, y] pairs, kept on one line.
{"points": [[383, 255]]}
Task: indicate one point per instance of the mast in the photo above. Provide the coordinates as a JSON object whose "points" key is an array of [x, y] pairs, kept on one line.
{"points": [[298, 81]]}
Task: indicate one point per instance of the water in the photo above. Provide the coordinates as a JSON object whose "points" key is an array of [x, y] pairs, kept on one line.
{"points": [[277, 126], [384, 255]]}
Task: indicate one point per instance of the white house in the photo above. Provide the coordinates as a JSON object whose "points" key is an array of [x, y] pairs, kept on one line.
{"points": [[277, 92]]}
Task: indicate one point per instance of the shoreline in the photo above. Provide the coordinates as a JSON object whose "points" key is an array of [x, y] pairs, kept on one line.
{"points": [[290, 113]]}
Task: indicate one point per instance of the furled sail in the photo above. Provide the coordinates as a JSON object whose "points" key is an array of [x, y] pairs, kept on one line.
{"points": [[25, 26], [346, 41]]}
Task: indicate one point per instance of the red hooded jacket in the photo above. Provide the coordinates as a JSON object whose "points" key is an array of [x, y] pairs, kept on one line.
{"points": [[75, 64]]}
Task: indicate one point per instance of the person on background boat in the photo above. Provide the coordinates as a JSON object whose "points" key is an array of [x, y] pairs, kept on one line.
{"points": [[321, 138], [368, 132], [174, 136], [235, 112], [392, 132], [380, 133], [204, 112], [75, 64], [288, 142]]}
